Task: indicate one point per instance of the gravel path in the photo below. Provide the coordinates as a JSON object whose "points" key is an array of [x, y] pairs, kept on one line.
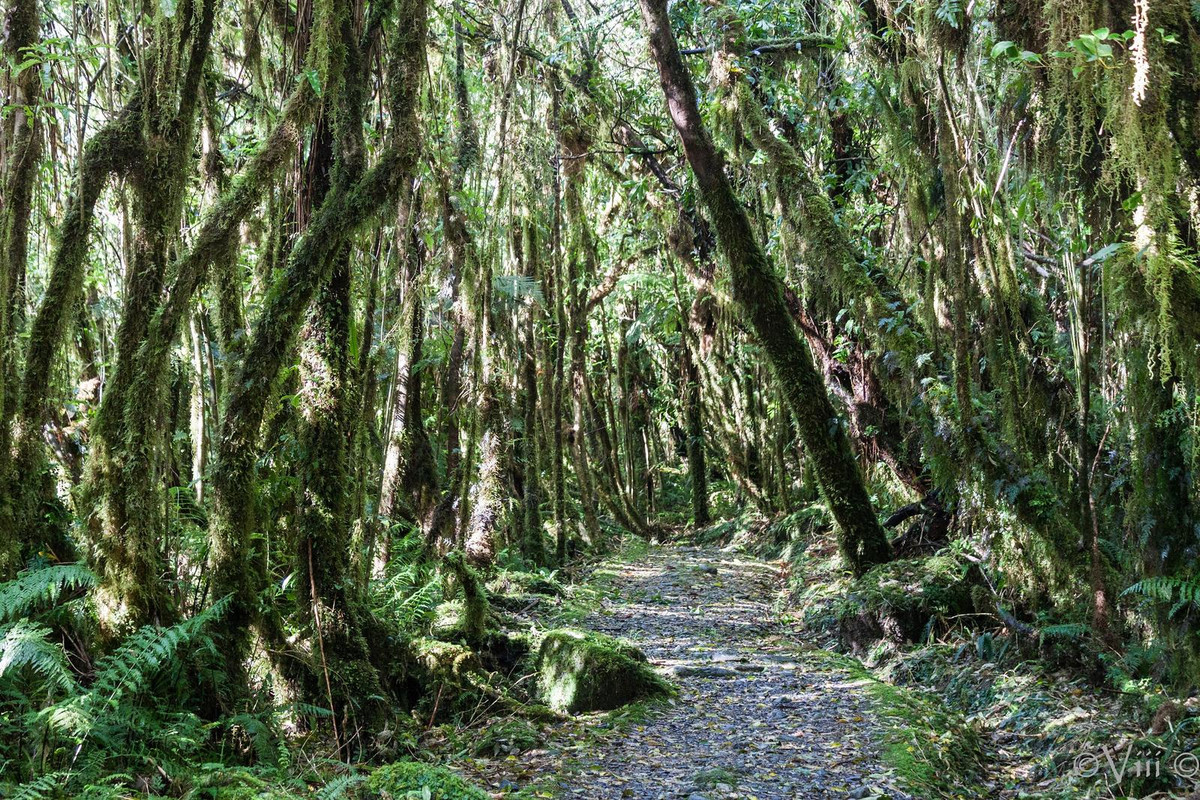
{"points": [[755, 717]]}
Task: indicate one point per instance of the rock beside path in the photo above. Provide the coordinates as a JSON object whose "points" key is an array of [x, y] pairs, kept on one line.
{"points": [[583, 671]]}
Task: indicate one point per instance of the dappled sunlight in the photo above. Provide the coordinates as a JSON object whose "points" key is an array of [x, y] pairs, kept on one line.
{"points": [[750, 711]]}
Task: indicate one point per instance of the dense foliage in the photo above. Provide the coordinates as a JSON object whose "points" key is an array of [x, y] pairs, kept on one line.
{"points": [[313, 313]]}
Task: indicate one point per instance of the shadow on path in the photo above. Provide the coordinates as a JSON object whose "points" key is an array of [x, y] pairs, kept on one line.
{"points": [[755, 717]]}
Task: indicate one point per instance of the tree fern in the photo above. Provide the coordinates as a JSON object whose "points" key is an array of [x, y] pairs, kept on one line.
{"points": [[41, 587]]}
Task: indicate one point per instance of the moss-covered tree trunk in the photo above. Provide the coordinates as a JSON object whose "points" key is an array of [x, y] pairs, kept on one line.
{"points": [[27, 501], [129, 438], [532, 500], [405, 435], [757, 290], [409, 483], [20, 144], [330, 605], [235, 563]]}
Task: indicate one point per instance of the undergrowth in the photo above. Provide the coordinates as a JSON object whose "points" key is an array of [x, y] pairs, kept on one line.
{"points": [[932, 750]]}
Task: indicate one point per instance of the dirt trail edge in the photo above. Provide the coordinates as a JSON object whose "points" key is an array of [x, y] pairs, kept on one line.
{"points": [[756, 716]]}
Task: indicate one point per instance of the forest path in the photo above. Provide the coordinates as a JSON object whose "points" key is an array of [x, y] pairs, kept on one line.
{"points": [[756, 716]]}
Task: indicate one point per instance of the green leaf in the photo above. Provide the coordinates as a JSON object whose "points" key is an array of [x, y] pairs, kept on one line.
{"points": [[1104, 253], [1002, 48], [314, 80]]}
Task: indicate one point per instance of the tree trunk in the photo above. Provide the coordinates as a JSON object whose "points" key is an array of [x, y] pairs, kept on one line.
{"points": [[694, 414], [759, 293], [20, 144], [235, 565]]}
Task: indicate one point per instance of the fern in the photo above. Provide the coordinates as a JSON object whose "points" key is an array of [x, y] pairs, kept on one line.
{"points": [[263, 737], [518, 288], [127, 669], [41, 587], [1070, 630], [416, 610], [1181, 592], [411, 591], [24, 644], [45, 786], [126, 672], [337, 787]]}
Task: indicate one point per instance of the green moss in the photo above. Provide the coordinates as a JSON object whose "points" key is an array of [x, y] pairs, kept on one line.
{"points": [[898, 601], [583, 671], [442, 660], [934, 751], [475, 602], [410, 779]]}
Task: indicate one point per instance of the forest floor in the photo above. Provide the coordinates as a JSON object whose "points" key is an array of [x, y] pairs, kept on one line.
{"points": [[759, 714]]}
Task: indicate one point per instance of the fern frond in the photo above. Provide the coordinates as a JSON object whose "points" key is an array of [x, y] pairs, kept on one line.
{"points": [[417, 609], [263, 738], [25, 644], [126, 670], [519, 287], [1070, 630], [1181, 592], [337, 787], [45, 786], [41, 587]]}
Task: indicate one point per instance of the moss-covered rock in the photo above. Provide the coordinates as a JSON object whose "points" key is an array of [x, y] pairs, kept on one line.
{"points": [[452, 623], [444, 661], [583, 671], [898, 601], [411, 779]]}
